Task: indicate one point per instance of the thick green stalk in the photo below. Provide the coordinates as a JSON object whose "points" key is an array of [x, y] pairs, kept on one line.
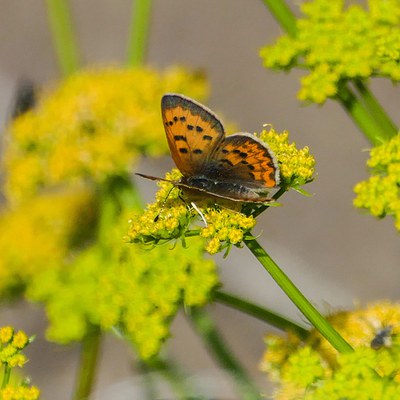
{"points": [[294, 294], [272, 318], [139, 31], [149, 385], [63, 35], [173, 376], [88, 363], [360, 115], [6, 376], [388, 127], [282, 13], [219, 350]]}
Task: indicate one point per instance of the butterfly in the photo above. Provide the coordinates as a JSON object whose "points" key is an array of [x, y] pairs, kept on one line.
{"points": [[239, 167]]}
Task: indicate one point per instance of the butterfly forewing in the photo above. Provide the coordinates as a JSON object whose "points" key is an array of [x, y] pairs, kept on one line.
{"points": [[245, 158], [193, 132]]}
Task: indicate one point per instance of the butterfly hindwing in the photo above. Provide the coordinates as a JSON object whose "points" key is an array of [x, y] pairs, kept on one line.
{"points": [[245, 158], [193, 132]]}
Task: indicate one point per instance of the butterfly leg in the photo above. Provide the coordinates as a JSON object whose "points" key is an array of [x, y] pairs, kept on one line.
{"points": [[163, 204], [200, 213]]}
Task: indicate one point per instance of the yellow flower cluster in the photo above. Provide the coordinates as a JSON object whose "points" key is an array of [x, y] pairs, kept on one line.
{"points": [[126, 287], [380, 194], [312, 369], [39, 233], [170, 217], [165, 219], [336, 43], [11, 345], [19, 393], [225, 228], [92, 126], [297, 166]]}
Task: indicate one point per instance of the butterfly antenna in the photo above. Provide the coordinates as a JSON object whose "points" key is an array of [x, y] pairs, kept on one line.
{"points": [[163, 204], [200, 213]]}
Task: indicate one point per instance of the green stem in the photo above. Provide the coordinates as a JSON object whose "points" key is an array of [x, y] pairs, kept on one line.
{"points": [[217, 345], [88, 362], [282, 13], [139, 31], [275, 197], [294, 294], [388, 127], [149, 385], [63, 35], [276, 320], [364, 120], [6, 376], [173, 376]]}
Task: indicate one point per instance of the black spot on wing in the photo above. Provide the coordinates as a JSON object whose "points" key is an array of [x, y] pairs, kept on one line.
{"points": [[198, 151], [226, 161], [183, 150], [182, 119], [190, 127], [207, 137], [199, 128], [180, 138]]}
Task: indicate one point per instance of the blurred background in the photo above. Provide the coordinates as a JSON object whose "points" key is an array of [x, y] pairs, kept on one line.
{"points": [[336, 255]]}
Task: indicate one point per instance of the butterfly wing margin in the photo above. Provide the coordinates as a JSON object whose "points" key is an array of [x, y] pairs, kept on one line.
{"points": [[205, 193], [193, 132], [247, 159]]}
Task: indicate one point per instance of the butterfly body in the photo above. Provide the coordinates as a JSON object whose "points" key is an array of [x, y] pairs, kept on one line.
{"points": [[239, 167]]}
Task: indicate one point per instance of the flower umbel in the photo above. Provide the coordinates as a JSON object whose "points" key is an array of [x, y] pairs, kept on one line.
{"points": [[380, 194], [93, 126], [314, 370], [222, 223], [11, 345], [126, 287], [297, 166], [10, 392], [337, 43], [39, 234]]}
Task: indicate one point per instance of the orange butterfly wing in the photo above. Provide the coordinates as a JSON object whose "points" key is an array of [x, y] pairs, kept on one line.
{"points": [[245, 158], [193, 132]]}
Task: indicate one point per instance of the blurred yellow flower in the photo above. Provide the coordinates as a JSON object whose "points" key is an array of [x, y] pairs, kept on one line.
{"points": [[313, 369], [39, 234], [92, 126], [125, 287]]}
